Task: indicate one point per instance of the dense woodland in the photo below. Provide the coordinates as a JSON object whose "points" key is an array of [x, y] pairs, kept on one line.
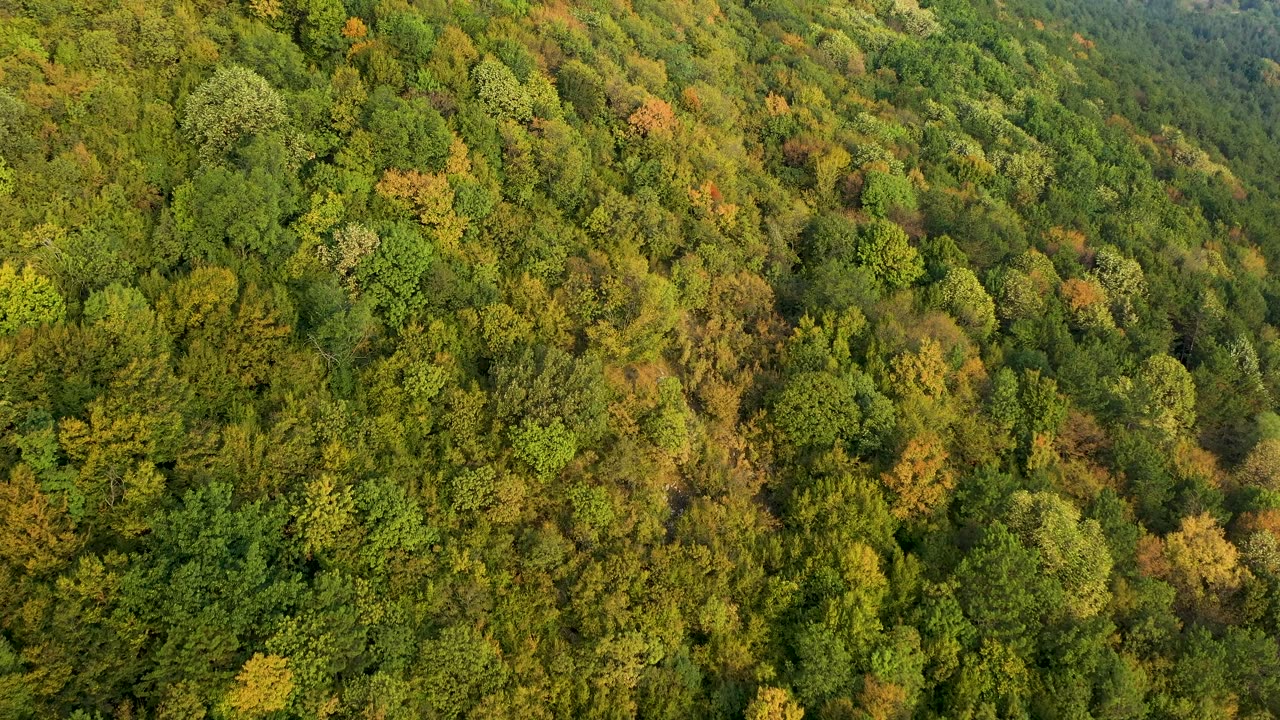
{"points": [[760, 359]]}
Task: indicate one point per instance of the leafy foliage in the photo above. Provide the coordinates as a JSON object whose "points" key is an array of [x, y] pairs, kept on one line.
{"points": [[636, 359]]}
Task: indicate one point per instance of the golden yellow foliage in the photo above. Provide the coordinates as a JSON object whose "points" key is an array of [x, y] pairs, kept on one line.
{"points": [[654, 117], [459, 162], [773, 703], [262, 686], [923, 371], [920, 479], [269, 9], [354, 28], [883, 700], [776, 105], [430, 196], [1198, 560], [35, 535]]}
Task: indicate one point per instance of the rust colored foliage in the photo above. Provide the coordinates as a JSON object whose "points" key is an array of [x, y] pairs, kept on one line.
{"points": [[1081, 294], [921, 478], [654, 117], [354, 29]]}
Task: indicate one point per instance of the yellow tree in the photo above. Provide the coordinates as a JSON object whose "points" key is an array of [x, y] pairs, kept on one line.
{"points": [[262, 687], [431, 197], [1261, 468], [827, 168], [35, 534], [1198, 560], [773, 703], [920, 479]]}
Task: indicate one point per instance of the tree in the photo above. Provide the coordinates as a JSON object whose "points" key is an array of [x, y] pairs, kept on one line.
{"points": [[667, 426], [322, 24], [430, 197], [350, 95], [1165, 395], [1261, 467], [462, 667], [921, 479], [923, 372], [232, 104], [325, 513], [546, 449], [883, 247], [242, 204], [35, 533], [215, 574], [654, 118], [827, 167], [1123, 280], [1018, 298], [823, 667], [262, 687], [817, 409], [1023, 285], [406, 134], [1072, 551], [1197, 559], [548, 386], [27, 298], [883, 192], [1087, 304], [392, 276], [773, 703], [967, 301], [501, 93], [352, 243], [582, 88], [1003, 592]]}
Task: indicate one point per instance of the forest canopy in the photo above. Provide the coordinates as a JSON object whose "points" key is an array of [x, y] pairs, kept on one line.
{"points": [[764, 359]]}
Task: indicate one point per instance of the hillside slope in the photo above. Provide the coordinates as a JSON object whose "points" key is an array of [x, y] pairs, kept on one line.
{"points": [[497, 359]]}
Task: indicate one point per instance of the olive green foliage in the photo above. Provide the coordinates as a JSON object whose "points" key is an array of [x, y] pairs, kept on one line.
{"points": [[965, 299], [1166, 394], [26, 298], [545, 449], [885, 249], [232, 104], [741, 359], [500, 92], [582, 88], [393, 276], [883, 192], [1072, 551], [816, 409]]}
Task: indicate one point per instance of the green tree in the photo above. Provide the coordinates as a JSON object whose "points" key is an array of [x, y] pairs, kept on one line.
{"points": [[546, 449], [462, 667], [27, 298], [582, 88], [883, 248], [322, 24], [501, 93], [816, 409], [242, 205], [1003, 591], [393, 276], [1165, 395], [406, 134], [884, 192], [823, 667], [965, 299], [232, 104], [1072, 551]]}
